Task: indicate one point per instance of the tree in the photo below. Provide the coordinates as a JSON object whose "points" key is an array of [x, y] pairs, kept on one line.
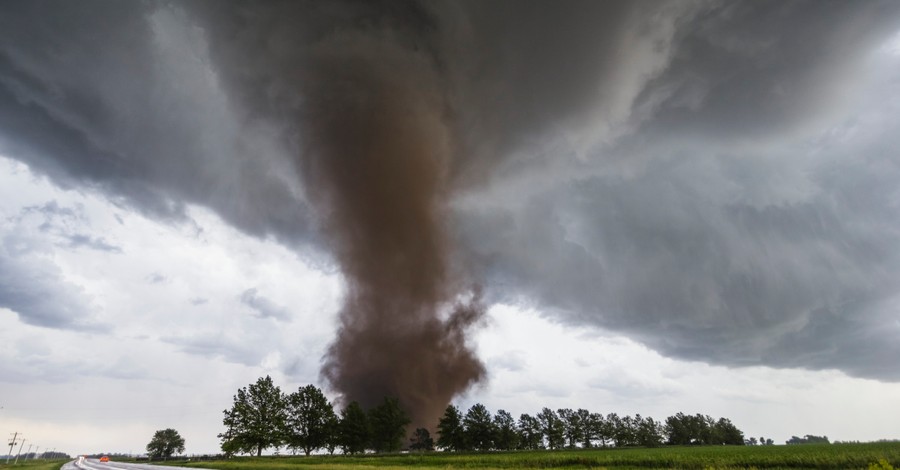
{"points": [[617, 429], [626, 431], [649, 433], [727, 433], [450, 428], [683, 429], [531, 437], [599, 429], [594, 430], [586, 436], [808, 439], [507, 436], [421, 440], [388, 422], [678, 430], [256, 420], [164, 444], [689, 430], [551, 427], [308, 416], [355, 434], [332, 433], [573, 426], [479, 427]]}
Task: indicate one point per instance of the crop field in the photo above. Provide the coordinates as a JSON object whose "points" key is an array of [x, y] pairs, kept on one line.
{"points": [[30, 464], [833, 456]]}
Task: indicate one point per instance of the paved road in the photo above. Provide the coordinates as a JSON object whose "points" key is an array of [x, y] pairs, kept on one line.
{"points": [[94, 464]]}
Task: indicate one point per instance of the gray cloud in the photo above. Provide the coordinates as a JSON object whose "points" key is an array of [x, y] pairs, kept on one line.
{"points": [[511, 360], [218, 346], [79, 240], [34, 288], [65, 224], [662, 170], [748, 71], [135, 111], [782, 254], [264, 307]]}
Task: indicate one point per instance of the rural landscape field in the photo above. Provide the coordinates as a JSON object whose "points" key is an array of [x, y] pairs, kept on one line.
{"points": [[879, 456]]}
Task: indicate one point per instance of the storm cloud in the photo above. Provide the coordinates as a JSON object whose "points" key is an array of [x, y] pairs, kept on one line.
{"points": [[714, 180]]}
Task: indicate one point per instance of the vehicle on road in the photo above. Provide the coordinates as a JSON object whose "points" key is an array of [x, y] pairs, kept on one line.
{"points": [[104, 459]]}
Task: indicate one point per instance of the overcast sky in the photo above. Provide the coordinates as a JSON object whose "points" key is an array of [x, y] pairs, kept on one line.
{"points": [[665, 206]]}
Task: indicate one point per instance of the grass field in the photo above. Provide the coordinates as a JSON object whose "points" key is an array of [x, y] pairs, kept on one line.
{"points": [[834, 456], [40, 464]]}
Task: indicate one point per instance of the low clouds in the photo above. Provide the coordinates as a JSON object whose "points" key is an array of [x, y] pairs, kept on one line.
{"points": [[31, 283], [34, 288], [263, 307], [714, 180]]}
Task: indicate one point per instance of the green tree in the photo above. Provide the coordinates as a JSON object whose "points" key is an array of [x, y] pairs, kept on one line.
{"points": [[354, 430], [507, 436], [600, 429], [627, 432], [808, 439], [728, 433], [586, 436], [479, 427], [573, 426], [308, 416], [552, 428], [256, 420], [531, 437], [388, 423], [688, 430], [164, 444], [618, 429], [648, 432], [450, 429], [421, 440], [333, 433]]}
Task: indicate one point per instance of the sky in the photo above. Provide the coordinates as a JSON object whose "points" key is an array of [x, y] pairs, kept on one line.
{"points": [[629, 207]]}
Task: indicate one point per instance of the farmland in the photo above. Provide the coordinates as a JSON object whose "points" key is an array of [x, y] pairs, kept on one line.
{"points": [[31, 464], [834, 456]]}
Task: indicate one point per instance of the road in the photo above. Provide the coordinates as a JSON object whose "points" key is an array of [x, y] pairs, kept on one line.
{"points": [[94, 464]]}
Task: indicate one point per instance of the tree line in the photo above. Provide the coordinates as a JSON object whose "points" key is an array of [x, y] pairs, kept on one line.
{"points": [[264, 417], [568, 428], [808, 439]]}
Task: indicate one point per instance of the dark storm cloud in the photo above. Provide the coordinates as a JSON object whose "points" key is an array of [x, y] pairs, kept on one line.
{"points": [[778, 250], [118, 97], [749, 71], [660, 169]]}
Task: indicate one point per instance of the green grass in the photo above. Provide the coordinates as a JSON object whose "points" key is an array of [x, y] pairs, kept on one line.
{"points": [[30, 464], [834, 456]]}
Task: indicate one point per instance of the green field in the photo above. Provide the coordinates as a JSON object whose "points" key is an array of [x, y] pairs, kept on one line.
{"points": [[40, 464], [833, 456]]}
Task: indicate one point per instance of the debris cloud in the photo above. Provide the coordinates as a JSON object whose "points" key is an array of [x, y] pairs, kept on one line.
{"points": [[375, 164]]}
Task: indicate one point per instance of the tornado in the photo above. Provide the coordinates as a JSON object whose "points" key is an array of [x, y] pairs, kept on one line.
{"points": [[376, 153]]}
